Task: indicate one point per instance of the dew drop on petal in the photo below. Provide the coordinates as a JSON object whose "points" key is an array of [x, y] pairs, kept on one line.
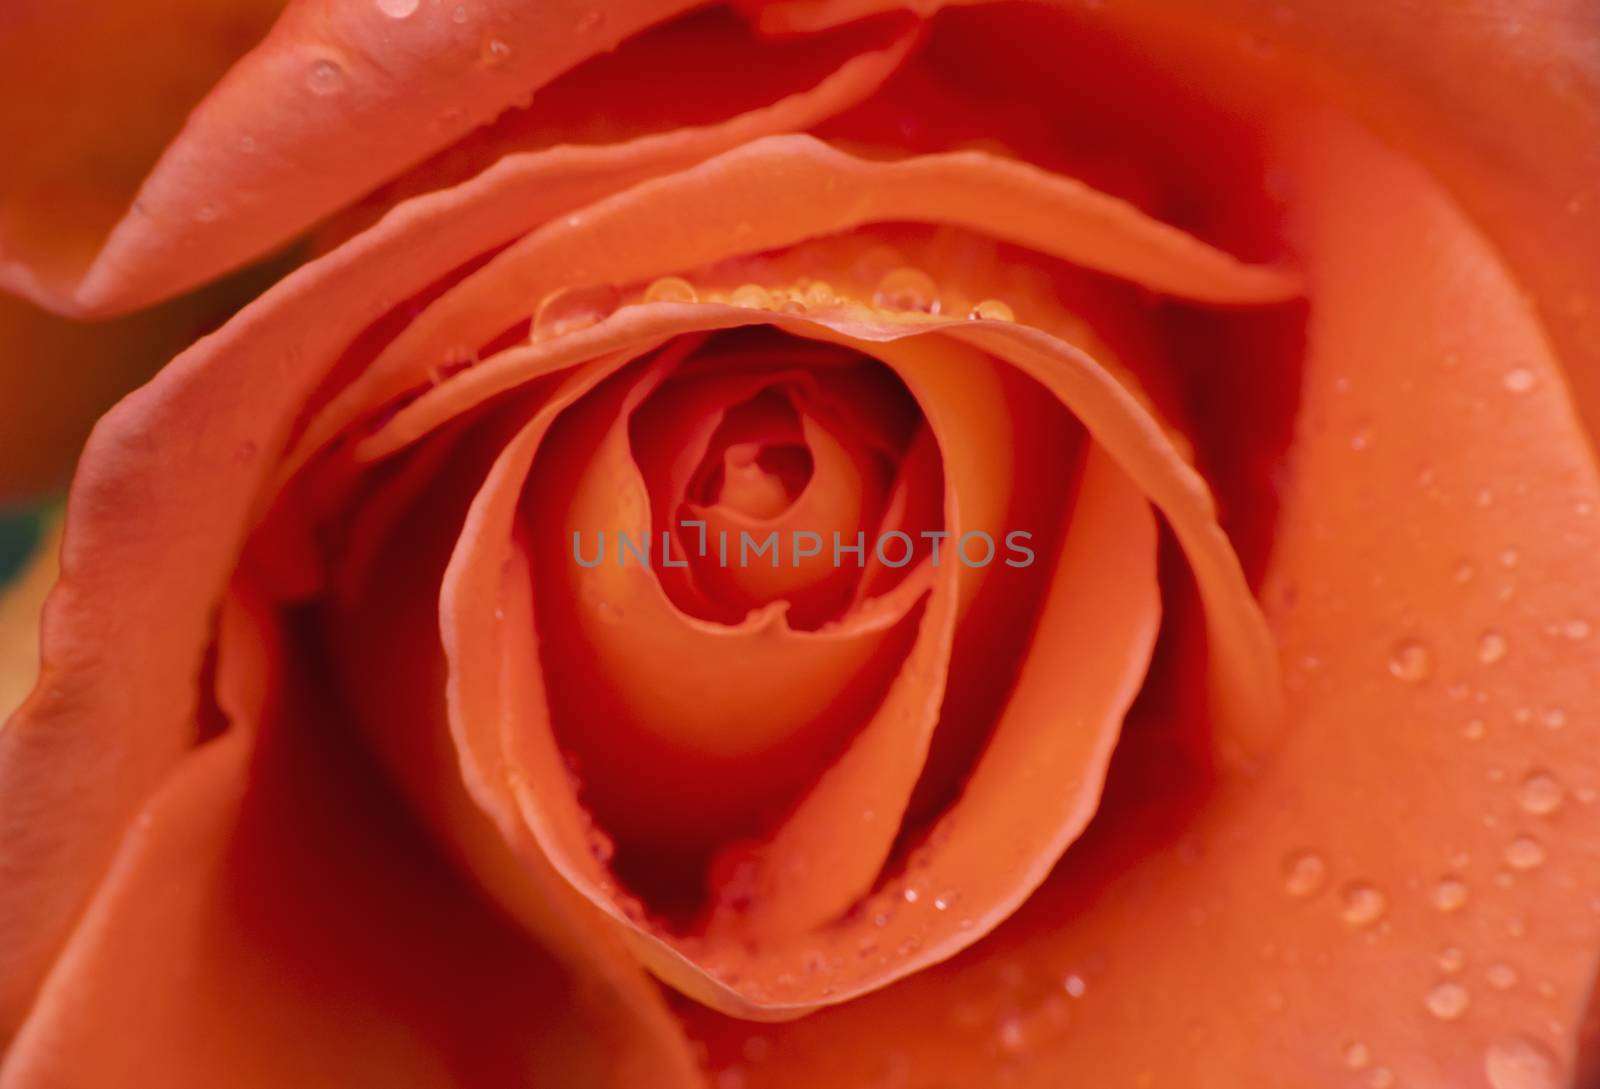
{"points": [[1361, 904], [907, 288], [991, 310], [589, 20], [398, 9], [1011, 1034], [1356, 1055], [1074, 985], [1449, 894], [495, 53], [1524, 853], [1491, 647], [1540, 793], [324, 77], [1518, 380], [1501, 976], [1576, 629], [1411, 661], [1517, 1062], [572, 308], [671, 289], [819, 293], [1451, 958], [1381, 1077], [751, 297], [1448, 1000], [459, 14], [1303, 873]]}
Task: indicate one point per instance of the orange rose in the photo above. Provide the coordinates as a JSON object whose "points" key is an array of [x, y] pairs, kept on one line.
{"points": [[711, 575]]}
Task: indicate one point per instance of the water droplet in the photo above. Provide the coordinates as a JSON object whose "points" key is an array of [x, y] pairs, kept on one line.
{"points": [[398, 9], [944, 900], [1361, 904], [1361, 438], [589, 20], [911, 895], [671, 289], [1524, 853], [1463, 572], [751, 297], [1517, 1062], [1576, 629], [1411, 661], [1074, 985], [459, 14], [1491, 647], [1519, 380], [1448, 1000], [1303, 873], [991, 310], [324, 77], [1555, 718], [1451, 958], [907, 288], [1509, 557], [1012, 1038], [1381, 1077], [1473, 730], [1540, 793], [572, 308], [819, 293], [495, 53], [1356, 1055], [1501, 976], [1450, 894]]}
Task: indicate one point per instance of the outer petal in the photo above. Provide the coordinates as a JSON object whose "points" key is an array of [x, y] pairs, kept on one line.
{"points": [[1406, 894], [149, 542], [94, 91], [1502, 104], [58, 375], [273, 917], [342, 84]]}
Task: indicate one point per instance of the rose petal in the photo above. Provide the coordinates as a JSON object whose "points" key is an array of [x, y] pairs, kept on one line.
{"points": [[77, 142], [563, 829], [779, 190], [163, 542], [1306, 925], [1504, 107], [259, 928], [688, 700]]}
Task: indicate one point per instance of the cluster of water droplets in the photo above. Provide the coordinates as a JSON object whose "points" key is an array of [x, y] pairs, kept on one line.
{"points": [[900, 291]]}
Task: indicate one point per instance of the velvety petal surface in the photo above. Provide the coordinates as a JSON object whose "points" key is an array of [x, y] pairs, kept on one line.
{"points": [[1406, 892]]}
